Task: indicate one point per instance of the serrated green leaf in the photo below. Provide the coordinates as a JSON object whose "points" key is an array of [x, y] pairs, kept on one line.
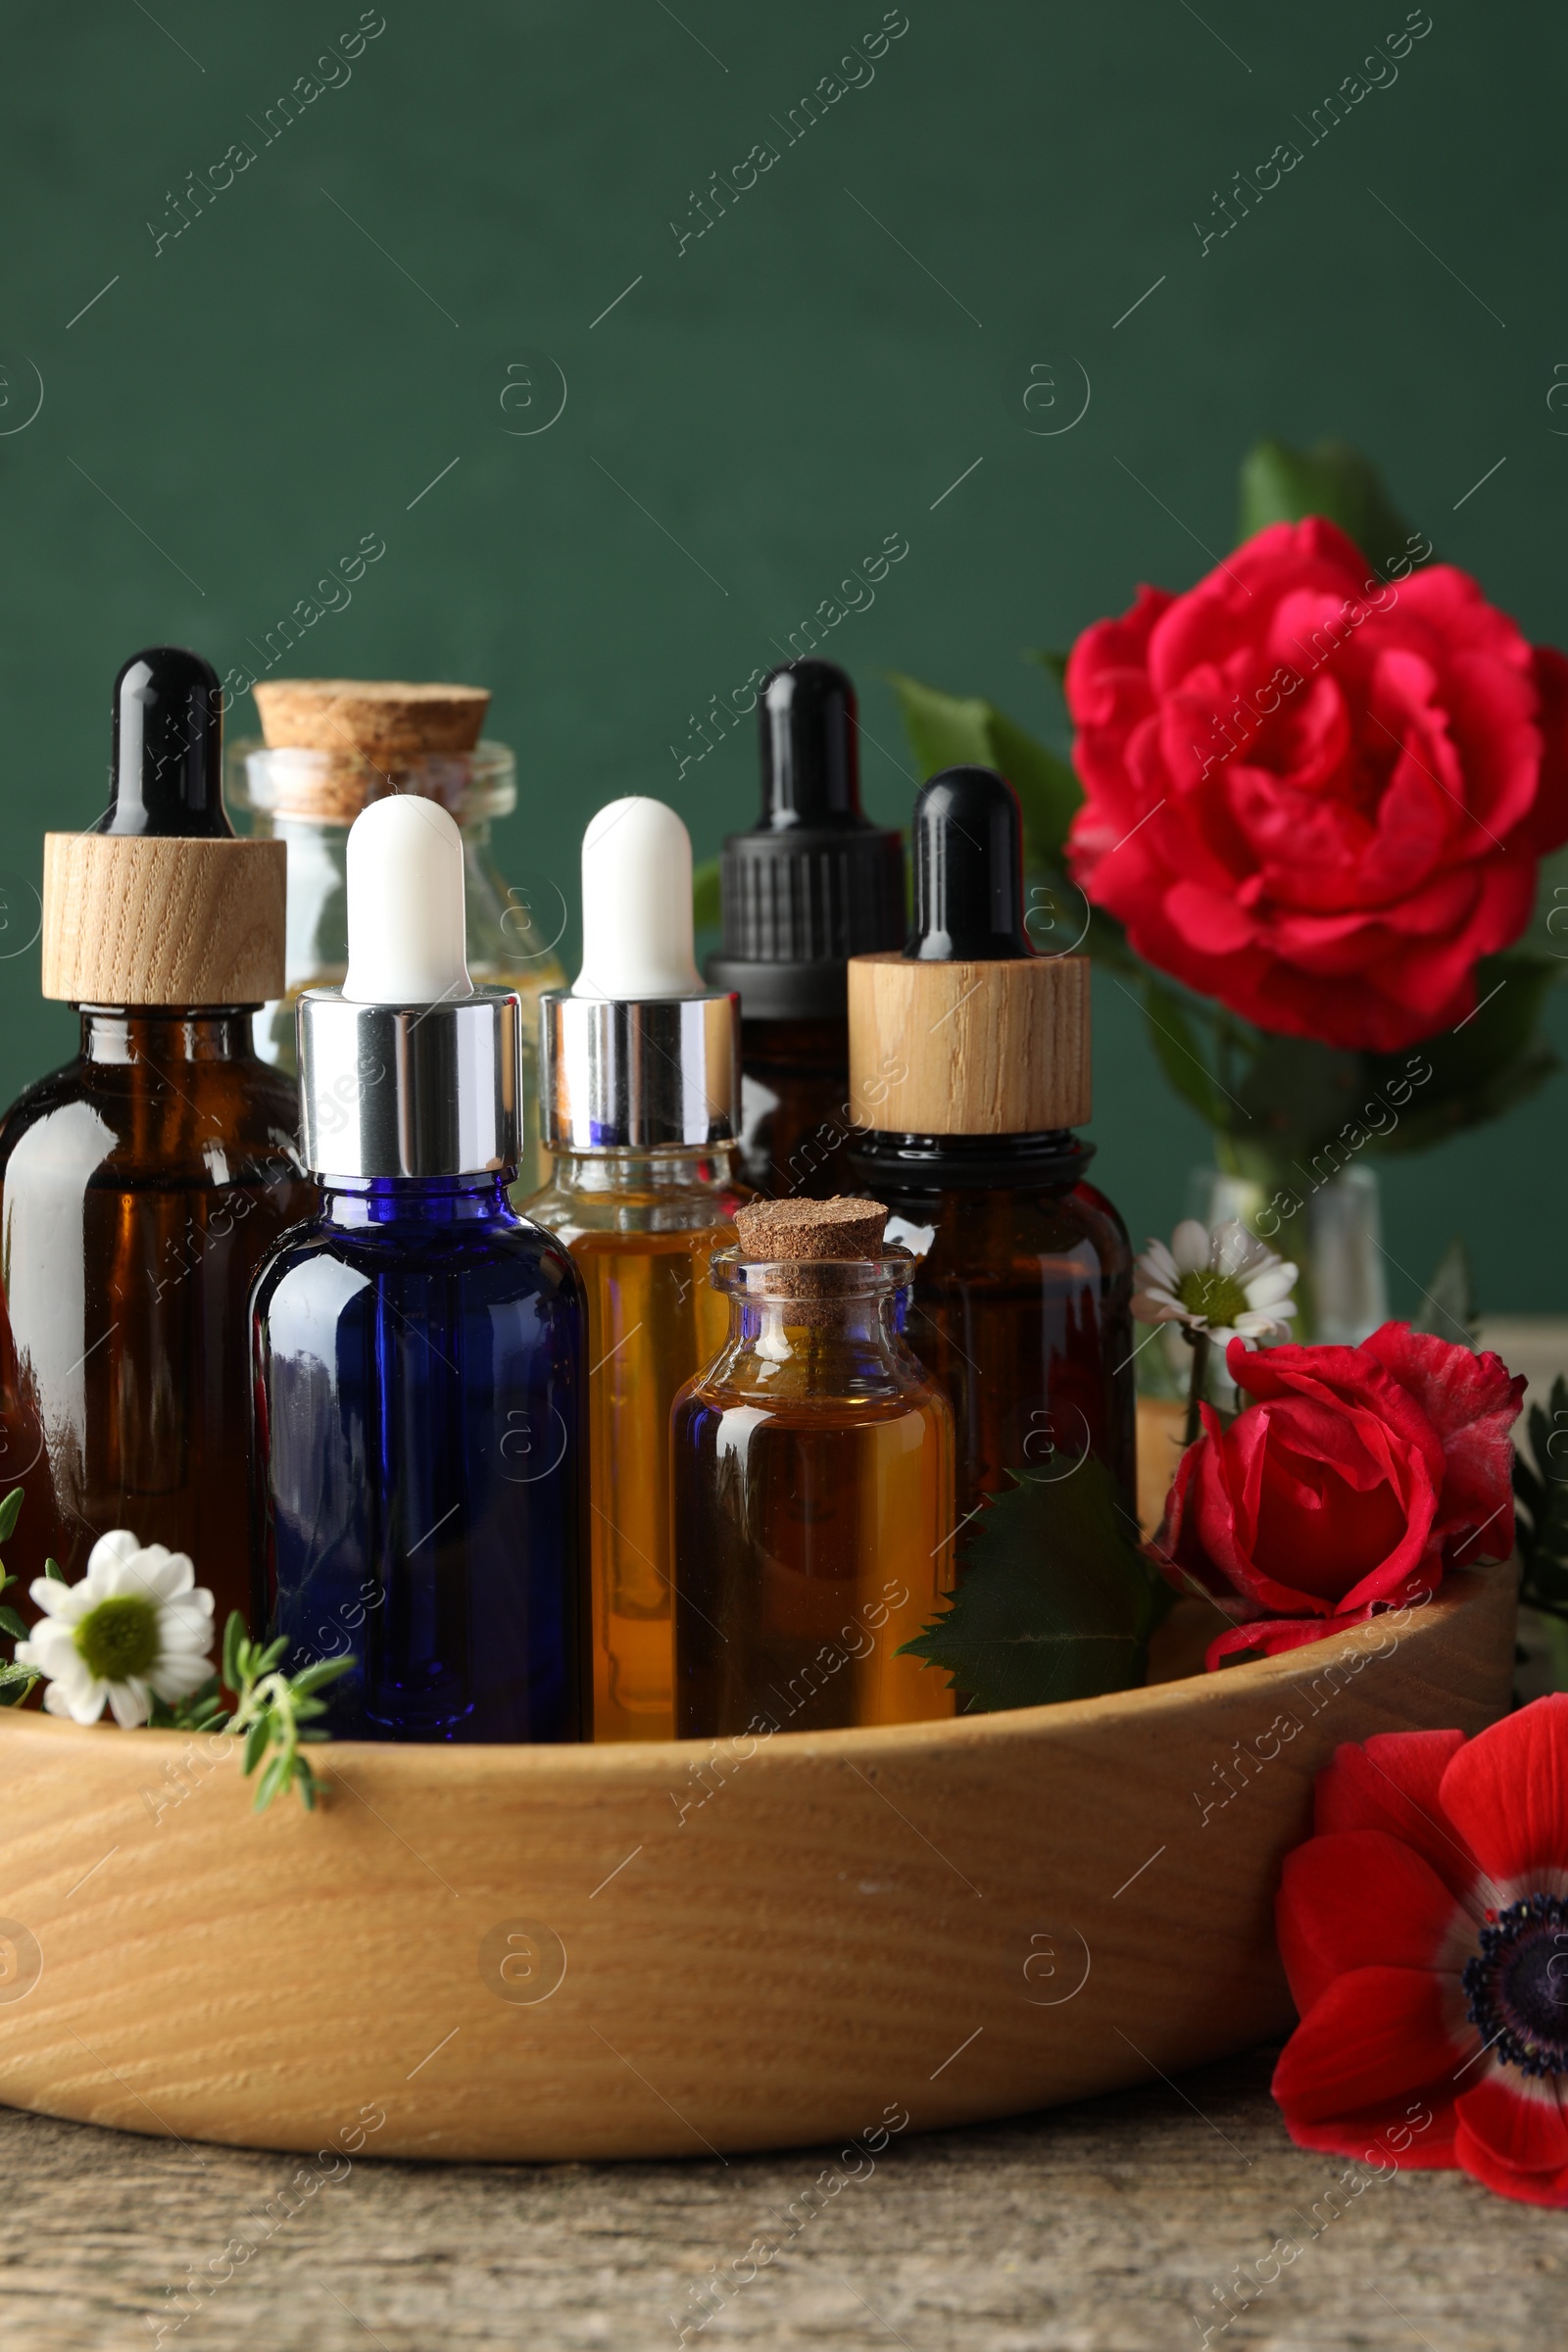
{"points": [[708, 912], [1280, 484], [1056, 1600], [1049, 794], [1492, 1060], [10, 1512], [1176, 1049]]}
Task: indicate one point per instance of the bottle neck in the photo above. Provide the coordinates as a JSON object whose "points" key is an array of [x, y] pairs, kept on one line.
{"points": [[671, 1168], [360, 1204], [208, 1033]]}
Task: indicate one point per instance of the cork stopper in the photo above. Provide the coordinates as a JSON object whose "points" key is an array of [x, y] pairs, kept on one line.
{"points": [[386, 719], [341, 743], [160, 905], [840, 1228]]}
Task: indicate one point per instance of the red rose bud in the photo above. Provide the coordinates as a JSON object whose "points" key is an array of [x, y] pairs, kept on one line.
{"points": [[1353, 1481], [1316, 794]]}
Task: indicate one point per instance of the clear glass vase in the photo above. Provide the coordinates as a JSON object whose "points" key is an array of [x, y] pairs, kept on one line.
{"points": [[1335, 1235], [308, 799]]}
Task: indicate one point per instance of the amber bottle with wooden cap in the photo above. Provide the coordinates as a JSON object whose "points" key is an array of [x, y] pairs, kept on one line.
{"points": [[331, 747], [1023, 1300], [141, 1184], [811, 1484]]}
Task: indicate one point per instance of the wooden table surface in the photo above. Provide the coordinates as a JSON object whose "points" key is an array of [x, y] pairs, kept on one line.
{"points": [[1102, 2228]]}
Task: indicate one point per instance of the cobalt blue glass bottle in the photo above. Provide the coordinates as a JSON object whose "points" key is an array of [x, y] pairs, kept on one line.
{"points": [[420, 1393]]}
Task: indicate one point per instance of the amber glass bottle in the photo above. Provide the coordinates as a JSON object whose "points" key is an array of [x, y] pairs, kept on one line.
{"points": [[640, 1101], [141, 1184], [643, 1228], [1023, 1296], [812, 1466], [812, 883]]}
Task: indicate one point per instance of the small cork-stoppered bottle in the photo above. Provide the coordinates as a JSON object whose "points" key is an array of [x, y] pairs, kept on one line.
{"points": [[640, 1101], [812, 1476], [141, 1184], [1023, 1300], [331, 747], [421, 1455], [814, 883]]}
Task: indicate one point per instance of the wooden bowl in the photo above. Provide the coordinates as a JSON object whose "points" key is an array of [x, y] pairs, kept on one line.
{"points": [[662, 1950]]}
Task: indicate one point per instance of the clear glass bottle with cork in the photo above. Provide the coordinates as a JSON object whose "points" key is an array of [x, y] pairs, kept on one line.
{"points": [[812, 1470], [141, 1184], [1023, 1300], [330, 748], [640, 1104], [811, 883]]}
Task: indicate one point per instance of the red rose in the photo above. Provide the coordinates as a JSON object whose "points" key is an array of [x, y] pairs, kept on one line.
{"points": [[1317, 795], [1424, 1928], [1355, 1479]]}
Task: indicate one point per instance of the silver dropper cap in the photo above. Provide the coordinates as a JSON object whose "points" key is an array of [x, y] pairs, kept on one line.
{"points": [[619, 1074], [411, 1090]]}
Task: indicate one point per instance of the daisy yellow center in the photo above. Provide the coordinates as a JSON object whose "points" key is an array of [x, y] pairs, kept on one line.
{"points": [[118, 1637], [1217, 1298]]}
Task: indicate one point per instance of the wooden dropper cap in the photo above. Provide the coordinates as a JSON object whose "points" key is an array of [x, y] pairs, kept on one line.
{"points": [[160, 905], [968, 1031]]}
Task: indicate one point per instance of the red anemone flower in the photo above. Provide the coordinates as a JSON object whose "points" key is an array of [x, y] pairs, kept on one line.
{"points": [[1424, 1929]]}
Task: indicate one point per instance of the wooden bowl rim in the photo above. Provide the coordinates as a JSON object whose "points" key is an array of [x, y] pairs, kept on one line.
{"points": [[635, 1761]]}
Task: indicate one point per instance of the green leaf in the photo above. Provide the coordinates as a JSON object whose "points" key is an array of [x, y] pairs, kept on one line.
{"points": [[233, 1636], [707, 910], [1176, 1049], [277, 1776], [10, 1512], [1280, 484], [12, 1624], [1476, 1071], [54, 1572], [943, 730], [1054, 662], [256, 1740], [15, 1684], [324, 1670], [1055, 1601], [1449, 1303], [1049, 793]]}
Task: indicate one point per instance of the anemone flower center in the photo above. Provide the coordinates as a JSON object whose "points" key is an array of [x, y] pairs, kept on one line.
{"points": [[1216, 1298], [118, 1637], [1518, 1985]]}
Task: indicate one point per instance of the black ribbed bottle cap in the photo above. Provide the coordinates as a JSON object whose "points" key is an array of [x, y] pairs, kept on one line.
{"points": [[968, 870], [165, 772], [814, 882]]}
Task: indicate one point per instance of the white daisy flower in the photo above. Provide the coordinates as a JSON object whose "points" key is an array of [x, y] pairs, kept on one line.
{"points": [[1223, 1283], [137, 1624]]}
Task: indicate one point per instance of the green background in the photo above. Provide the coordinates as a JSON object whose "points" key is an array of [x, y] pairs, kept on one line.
{"points": [[765, 405]]}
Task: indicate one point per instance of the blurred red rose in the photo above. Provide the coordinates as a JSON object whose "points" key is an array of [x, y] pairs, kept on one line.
{"points": [[1317, 795], [1353, 1481]]}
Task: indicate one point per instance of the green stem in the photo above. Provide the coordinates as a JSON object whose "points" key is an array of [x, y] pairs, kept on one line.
{"points": [[1198, 1341]]}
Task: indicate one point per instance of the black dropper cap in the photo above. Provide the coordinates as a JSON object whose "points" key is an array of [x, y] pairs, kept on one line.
{"points": [[814, 882], [166, 772], [968, 870]]}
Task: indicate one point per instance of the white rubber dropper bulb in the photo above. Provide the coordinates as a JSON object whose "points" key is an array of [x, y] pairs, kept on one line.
{"points": [[637, 904], [405, 908]]}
